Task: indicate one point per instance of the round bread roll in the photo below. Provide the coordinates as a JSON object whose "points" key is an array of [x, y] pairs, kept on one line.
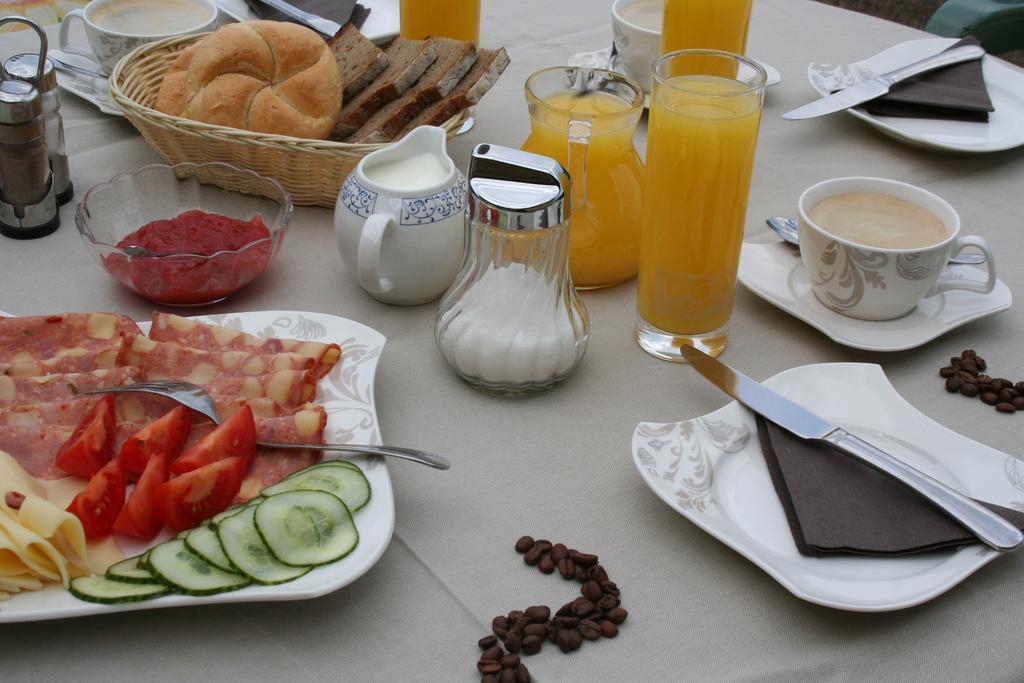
{"points": [[264, 76]]}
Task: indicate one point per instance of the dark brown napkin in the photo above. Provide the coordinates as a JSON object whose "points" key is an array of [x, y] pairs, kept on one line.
{"points": [[836, 504], [955, 93], [341, 11]]}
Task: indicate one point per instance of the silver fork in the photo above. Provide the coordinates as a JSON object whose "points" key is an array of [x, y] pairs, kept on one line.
{"points": [[196, 398]]}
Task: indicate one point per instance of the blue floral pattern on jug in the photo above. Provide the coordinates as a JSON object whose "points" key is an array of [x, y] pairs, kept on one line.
{"points": [[436, 207], [357, 198]]}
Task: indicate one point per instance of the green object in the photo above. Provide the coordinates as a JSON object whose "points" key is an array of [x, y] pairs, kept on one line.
{"points": [[129, 571], [304, 528], [998, 24], [108, 592], [343, 479], [248, 552], [185, 572], [203, 541]]}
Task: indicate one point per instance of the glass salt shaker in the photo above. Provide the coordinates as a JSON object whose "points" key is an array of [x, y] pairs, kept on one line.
{"points": [[511, 323], [25, 67]]}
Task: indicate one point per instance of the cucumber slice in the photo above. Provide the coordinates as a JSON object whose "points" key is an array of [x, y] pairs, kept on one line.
{"points": [[203, 542], [187, 573], [221, 516], [306, 527], [106, 591], [129, 571], [247, 551], [343, 479]]}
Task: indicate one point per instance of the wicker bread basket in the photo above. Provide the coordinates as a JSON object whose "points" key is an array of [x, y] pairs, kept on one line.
{"points": [[311, 170]]}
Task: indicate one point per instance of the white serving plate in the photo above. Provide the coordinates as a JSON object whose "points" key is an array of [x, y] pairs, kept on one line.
{"points": [[348, 396], [774, 272], [711, 470], [1005, 83]]}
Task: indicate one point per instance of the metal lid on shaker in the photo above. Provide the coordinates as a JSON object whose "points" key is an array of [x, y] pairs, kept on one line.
{"points": [[25, 67], [516, 190], [19, 102]]}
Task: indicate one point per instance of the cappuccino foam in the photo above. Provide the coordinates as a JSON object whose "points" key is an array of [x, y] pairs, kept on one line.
{"points": [[878, 220]]}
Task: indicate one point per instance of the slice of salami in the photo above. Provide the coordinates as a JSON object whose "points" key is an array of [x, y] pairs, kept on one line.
{"points": [[76, 359], [50, 388], [287, 388], [194, 334], [33, 338], [171, 360], [271, 466]]}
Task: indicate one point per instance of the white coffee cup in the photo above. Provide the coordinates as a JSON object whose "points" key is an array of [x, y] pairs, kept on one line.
{"points": [[878, 283], [399, 220], [116, 27], [637, 37]]}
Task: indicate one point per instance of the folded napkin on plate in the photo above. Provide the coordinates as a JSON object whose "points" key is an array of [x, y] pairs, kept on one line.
{"points": [[956, 93], [836, 504], [341, 11]]}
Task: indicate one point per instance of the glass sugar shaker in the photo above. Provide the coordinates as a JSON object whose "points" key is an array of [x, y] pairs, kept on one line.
{"points": [[25, 67], [28, 204], [511, 323]]}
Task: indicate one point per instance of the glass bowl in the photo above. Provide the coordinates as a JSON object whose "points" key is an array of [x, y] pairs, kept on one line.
{"points": [[113, 210]]}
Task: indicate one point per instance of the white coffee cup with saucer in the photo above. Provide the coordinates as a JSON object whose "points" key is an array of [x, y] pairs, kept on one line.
{"points": [[116, 27], [400, 222]]}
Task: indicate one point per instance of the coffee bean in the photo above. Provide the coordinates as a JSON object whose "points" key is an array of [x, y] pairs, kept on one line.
{"points": [[607, 602], [488, 667], [510, 661], [1018, 403], [591, 590], [522, 674], [500, 632], [559, 552], [980, 362], [533, 555], [609, 629], [489, 678], [590, 629], [514, 615], [539, 630], [500, 621], [487, 642], [583, 559], [969, 390], [569, 640], [567, 568], [565, 610], [538, 613], [493, 653], [532, 644], [1005, 408], [598, 573], [1006, 395], [617, 615], [583, 607], [546, 564], [953, 384], [956, 360], [507, 676], [552, 631], [984, 379], [520, 623], [989, 398], [969, 366], [545, 545], [513, 643], [581, 573], [947, 371], [968, 354], [1003, 382], [1019, 386], [524, 544], [565, 622]]}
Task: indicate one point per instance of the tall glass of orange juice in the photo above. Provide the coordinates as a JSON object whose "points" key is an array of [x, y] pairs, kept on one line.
{"points": [[705, 24], [585, 119], [701, 140], [458, 19]]}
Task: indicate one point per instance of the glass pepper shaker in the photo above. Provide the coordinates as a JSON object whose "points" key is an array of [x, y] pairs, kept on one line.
{"points": [[25, 67], [511, 322]]}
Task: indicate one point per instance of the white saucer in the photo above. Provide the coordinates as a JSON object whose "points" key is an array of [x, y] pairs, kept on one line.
{"points": [[1005, 83], [774, 272], [711, 470]]}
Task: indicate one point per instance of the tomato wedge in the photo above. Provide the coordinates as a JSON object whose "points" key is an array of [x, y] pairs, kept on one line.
{"points": [[235, 437], [99, 504], [92, 444], [184, 502], [167, 435], [138, 517]]}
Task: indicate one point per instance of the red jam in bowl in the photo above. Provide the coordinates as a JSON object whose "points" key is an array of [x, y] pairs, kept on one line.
{"points": [[191, 269]]}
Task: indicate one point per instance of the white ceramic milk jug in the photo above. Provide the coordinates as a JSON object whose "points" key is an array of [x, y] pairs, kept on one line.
{"points": [[399, 219]]}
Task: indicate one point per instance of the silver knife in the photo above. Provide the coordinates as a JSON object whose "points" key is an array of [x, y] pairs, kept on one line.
{"points": [[317, 23], [983, 523], [876, 87]]}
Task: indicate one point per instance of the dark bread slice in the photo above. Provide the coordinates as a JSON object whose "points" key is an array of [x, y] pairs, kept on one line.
{"points": [[488, 67], [359, 60], [408, 59], [454, 60]]}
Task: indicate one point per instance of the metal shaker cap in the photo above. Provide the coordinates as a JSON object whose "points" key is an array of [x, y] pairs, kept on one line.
{"points": [[25, 67], [516, 190], [19, 102]]}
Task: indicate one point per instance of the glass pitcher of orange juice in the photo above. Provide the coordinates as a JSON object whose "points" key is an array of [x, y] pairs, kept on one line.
{"points": [[585, 119]]}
